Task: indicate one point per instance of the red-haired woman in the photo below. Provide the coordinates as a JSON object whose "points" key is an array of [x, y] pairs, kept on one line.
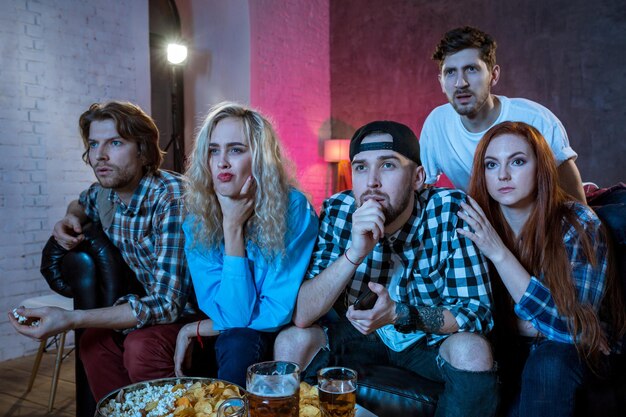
{"points": [[549, 261]]}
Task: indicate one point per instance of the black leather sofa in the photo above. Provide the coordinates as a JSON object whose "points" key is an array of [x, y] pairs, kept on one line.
{"points": [[390, 391], [94, 275]]}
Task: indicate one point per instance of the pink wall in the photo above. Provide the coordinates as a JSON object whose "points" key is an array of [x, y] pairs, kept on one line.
{"points": [[290, 81], [380, 64]]}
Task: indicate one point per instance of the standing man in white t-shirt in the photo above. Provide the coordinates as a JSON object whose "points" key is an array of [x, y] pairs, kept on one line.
{"points": [[467, 72]]}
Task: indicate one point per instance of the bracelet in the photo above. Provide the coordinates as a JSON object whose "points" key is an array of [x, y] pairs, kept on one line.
{"points": [[349, 260], [198, 335]]}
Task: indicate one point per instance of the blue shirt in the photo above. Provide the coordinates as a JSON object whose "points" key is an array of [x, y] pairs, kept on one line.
{"points": [[537, 304], [253, 292]]}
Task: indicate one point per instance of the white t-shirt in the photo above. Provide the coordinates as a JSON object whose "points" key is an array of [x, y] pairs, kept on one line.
{"points": [[447, 147]]}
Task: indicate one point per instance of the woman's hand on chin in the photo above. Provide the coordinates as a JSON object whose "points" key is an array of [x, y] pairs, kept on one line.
{"points": [[236, 210]]}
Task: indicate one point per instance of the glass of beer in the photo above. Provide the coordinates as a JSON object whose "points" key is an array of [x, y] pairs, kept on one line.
{"points": [[273, 389], [337, 388]]}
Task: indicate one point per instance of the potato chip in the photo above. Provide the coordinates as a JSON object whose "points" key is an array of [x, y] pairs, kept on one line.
{"points": [[177, 387], [151, 405], [183, 401], [309, 410], [309, 401], [203, 406], [184, 412]]}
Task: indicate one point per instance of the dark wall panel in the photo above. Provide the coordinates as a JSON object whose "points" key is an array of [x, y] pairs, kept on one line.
{"points": [[569, 55]]}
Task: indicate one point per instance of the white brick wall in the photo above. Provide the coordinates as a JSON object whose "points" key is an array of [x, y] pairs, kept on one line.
{"points": [[56, 58]]}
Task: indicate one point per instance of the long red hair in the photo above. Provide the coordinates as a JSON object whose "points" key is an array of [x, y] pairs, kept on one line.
{"points": [[539, 246]]}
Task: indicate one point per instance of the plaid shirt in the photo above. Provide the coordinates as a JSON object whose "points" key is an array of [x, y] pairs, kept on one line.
{"points": [[537, 305], [441, 268], [148, 232]]}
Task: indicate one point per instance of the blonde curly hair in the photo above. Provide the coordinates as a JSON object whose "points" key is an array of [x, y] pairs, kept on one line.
{"points": [[267, 226]]}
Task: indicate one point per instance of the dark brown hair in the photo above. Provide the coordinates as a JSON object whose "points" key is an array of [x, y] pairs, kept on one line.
{"points": [[463, 38], [539, 246], [132, 124]]}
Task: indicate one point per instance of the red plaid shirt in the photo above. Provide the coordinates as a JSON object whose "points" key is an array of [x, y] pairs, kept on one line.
{"points": [[148, 232]]}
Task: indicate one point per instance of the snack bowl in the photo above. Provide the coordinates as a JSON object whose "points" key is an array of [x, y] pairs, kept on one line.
{"points": [[176, 397]]}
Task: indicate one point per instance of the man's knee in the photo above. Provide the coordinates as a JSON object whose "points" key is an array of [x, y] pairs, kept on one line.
{"points": [[468, 352], [149, 354], [300, 338], [92, 342], [91, 337], [299, 344]]}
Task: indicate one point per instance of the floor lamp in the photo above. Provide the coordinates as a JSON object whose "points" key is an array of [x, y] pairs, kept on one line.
{"points": [[176, 56]]}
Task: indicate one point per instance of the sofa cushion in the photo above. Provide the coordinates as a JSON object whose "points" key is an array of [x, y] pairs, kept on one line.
{"points": [[391, 391]]}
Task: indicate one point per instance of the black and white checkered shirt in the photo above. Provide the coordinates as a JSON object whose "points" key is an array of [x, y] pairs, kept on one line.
{"points": [[441, 268]]}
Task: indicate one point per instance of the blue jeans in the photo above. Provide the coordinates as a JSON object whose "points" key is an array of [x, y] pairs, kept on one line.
{"points": [[465, 394], [551, 373], [237, 349]]}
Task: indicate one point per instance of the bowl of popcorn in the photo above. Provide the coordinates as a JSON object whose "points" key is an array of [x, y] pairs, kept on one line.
{"points": [[169, 397]]}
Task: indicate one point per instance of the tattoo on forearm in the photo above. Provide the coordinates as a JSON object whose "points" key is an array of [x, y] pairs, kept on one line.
{"points": [[427, 319], [431, 319]]}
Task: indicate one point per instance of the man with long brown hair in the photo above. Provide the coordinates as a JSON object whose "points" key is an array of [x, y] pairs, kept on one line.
{"points": [[140, 209]]}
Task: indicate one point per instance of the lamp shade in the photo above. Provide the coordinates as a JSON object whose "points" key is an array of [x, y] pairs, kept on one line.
{"points": [[336, 150]]}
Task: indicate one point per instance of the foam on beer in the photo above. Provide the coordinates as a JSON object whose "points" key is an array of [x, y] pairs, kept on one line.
{"points": [[274, 385]]}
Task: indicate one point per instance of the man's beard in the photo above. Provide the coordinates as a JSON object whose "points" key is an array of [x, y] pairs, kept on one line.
{"points": [[118, 178], [390, 211], [469, 110]]}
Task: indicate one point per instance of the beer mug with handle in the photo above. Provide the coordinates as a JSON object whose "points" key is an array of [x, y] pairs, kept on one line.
{"points": [[273, 389], [233, 407]]}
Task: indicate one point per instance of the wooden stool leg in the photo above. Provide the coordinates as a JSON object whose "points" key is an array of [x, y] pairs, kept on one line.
{"points": [[33, 373], [57, 368]]}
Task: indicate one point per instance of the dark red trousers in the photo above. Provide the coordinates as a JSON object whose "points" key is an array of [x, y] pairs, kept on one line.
{"points": [[113, 360]]}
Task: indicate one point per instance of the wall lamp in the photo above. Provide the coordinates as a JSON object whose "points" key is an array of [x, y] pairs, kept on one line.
{"points": [[338, 151]]}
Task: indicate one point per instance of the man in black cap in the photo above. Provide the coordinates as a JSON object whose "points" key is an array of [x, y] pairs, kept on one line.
{"points": [[390, 236]]}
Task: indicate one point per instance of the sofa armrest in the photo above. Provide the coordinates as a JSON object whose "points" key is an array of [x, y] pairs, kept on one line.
{"points": [[51, 267], [94, 273]]}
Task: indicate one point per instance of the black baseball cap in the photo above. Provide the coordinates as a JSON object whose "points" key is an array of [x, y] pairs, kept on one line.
{"points": [[404, 140]]}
